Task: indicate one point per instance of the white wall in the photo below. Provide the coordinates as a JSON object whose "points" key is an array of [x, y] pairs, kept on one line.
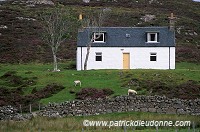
{"points": [[172, 59], [112, 57]]}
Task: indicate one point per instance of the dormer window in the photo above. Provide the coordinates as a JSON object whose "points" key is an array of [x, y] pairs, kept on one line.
{"points": [[99, 37], [152, 37]]}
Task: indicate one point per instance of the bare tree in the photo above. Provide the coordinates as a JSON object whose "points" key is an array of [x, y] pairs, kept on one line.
{"points": [[57, 25], [94, 26]]}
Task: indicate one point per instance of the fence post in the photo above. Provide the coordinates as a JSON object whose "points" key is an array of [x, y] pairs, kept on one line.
{"points": [[156, 128], [20, 107], [193, 125], [124, 128], [30, 109], [39, 106], [188, 129], [133, 129]]}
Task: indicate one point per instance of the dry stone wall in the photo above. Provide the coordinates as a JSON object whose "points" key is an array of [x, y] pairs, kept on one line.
{"points": [[139, 103], [11, 113]]}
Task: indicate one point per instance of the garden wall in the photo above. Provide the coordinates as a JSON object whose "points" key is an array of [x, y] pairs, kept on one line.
{"points": [[140, 103]]}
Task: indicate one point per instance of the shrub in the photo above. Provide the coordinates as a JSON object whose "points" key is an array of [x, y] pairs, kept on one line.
{"points": [[48, 91], [8, 74], [72, 91], [71, 65], [34, 90], [108, 91], [16, 98], [28, 72], [92, 93], [11, 79]]}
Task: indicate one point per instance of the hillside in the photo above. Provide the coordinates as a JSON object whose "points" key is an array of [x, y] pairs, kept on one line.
{"points": [[27, 83], [19, 26]]}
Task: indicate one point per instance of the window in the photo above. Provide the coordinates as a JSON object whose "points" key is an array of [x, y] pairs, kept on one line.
{"points": [[99, 37], [98, 56], [153, 56], [152, 37]]}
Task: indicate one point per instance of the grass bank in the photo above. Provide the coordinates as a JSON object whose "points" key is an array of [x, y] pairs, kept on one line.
{"points": [[74, 124], [112, 79], [117, 80]]}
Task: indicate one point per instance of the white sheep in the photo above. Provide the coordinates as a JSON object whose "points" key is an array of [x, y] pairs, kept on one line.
{"points": [[77, 82], [132, 91]]}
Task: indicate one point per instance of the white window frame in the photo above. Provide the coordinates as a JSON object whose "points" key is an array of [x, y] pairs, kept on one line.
{"points": [[153, 54], [96, 41], [149, 38]]}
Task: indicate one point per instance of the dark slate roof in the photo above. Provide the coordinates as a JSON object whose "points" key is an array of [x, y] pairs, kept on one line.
{"points": [[116, 37]]}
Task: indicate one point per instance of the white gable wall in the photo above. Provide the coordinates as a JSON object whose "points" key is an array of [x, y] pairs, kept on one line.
{"points": [[172, 59], [112, 57]]}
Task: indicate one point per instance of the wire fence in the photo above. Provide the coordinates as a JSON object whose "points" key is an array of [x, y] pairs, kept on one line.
{"points": [[29, 108]]}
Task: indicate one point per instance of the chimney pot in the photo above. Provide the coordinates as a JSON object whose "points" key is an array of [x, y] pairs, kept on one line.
{"points": [[80, 16]]}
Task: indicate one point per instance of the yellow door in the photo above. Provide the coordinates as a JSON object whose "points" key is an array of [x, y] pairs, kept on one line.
{"points": [[126, 61]]}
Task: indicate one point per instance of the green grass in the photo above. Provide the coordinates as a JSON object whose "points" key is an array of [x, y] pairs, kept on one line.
{"points": [[97, 78], [74, 124], [188, 66], [94, 79]]}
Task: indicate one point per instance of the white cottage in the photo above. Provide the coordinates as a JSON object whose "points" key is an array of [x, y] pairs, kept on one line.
{"points": [[127, 48]]}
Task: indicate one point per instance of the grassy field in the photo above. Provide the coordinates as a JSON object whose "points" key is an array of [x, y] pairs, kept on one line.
{"points": [[96, 78], [75, 124]]}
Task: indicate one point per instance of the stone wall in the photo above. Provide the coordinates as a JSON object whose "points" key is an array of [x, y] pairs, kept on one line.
{"points": [[10, 113], [158, 104], [141, 103]]}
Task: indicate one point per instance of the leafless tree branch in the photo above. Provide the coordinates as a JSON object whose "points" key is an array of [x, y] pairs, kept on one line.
{"points": [[93, 24], [56, 25]]}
